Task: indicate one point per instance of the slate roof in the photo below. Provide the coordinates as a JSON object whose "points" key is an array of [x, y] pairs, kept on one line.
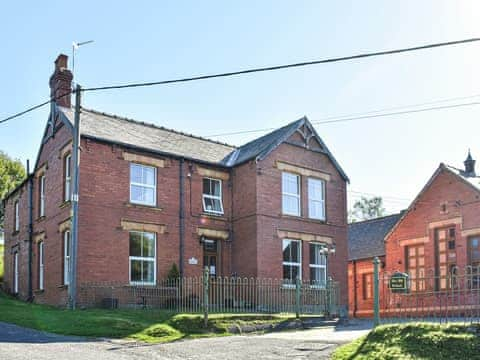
{"points": [[366, 238], [124, 131], [263, 145]]}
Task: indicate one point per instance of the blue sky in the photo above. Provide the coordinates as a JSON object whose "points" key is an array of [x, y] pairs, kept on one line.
{"points": [[146, 41]]}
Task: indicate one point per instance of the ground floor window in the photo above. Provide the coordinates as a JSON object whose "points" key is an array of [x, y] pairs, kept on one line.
{"points": [[40, 266], [15, 273], [292, 261], [66, 257], [142, 258], [474, 261], [318, 265], [367, 286]]}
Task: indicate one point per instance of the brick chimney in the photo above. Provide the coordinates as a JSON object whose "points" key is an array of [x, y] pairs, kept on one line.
{"points": [[61, 82]]}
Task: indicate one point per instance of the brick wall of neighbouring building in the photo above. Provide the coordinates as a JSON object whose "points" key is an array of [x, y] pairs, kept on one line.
{"points": [[448, 201]]}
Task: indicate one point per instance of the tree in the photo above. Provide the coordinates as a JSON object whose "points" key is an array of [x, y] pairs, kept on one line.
{"points": [[365, 209], [12, 173]]}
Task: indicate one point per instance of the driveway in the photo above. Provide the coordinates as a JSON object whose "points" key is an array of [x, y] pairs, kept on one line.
{"points": [[17, 343]]}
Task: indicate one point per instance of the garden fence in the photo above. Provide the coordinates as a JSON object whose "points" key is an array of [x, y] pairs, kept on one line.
{"points": [[430, 295], [207, 294]]}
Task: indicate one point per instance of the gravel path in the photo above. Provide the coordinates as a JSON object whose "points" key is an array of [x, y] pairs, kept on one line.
{"points": [[17, 343]]}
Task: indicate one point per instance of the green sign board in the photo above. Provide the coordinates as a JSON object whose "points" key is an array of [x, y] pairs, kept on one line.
{"points": [[399, 283]]}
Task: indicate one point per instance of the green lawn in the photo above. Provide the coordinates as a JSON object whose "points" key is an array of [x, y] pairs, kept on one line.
{"points": [[415, 341], [143, 325]]}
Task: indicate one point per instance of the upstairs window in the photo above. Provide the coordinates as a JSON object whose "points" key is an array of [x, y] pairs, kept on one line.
{"points": [[212, 196], [292, 261], [41, 191], [290, 194], [143, 184], [16, 219], [67, 192], [316, 199], [66, 257], [142, 258], [318, 265]]}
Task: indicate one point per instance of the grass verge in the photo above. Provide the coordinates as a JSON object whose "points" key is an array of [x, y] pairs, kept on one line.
{"points": [[415, 341], [144, 325]]}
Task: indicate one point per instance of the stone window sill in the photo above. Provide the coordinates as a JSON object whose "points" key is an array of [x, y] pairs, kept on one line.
{"points": [[141, 206]]}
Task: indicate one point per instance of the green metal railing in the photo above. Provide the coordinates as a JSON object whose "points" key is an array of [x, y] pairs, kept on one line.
{"points": [[430, 296], [207, 294]]}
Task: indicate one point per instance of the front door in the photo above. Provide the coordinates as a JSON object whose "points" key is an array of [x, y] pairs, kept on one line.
{"points": [[210, 256]]}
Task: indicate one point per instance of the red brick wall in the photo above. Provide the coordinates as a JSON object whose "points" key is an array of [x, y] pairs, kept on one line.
{"points": [[270, 219], [50, 162], [462, 202], [16, 242], [358, 306]]}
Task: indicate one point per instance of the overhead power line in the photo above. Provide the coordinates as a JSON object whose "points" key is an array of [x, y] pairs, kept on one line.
{"points": [[346, 119], [11, 117], [254, 70], [287, 66]]}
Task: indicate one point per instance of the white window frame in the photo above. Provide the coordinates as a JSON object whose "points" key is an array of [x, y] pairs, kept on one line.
{"points": [[41, 266], [295, 195], [42, 195], [147, 186], [289, 263], [318, 266], [143, 258], [15, 273], [312, 200], [67, 243], [17, 216], [67, 163], [208, 196]]}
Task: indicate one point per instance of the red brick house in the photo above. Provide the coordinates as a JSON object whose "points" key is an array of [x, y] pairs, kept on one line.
{"points": [[150, 197], [437, 236]]}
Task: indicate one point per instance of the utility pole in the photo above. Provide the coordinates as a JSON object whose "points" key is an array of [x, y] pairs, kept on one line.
{"points": [[72, 285]]}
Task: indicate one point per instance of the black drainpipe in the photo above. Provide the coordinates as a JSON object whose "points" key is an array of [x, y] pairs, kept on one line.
{"points": [[181, 216], [30, 232]]}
